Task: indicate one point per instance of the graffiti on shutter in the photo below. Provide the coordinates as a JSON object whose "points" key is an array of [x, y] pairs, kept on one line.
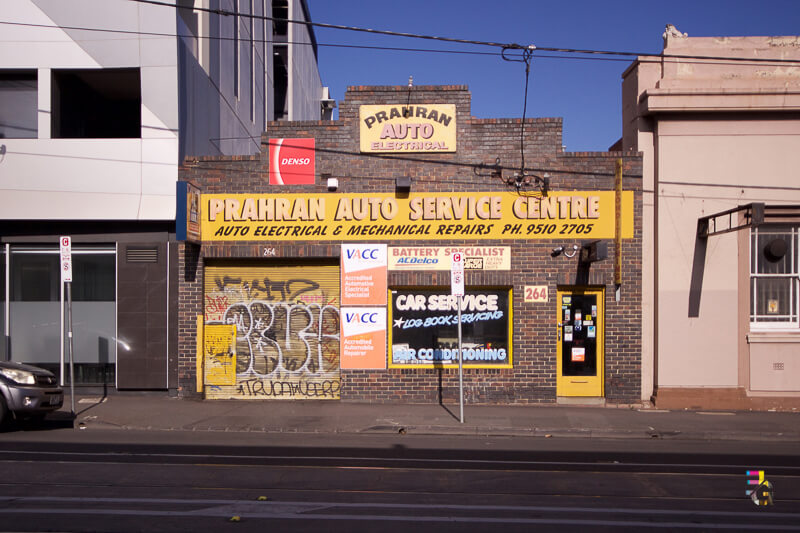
{"points": [[287, 329]]}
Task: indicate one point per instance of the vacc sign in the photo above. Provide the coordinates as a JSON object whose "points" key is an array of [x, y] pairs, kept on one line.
{"points": [[364, 271]]}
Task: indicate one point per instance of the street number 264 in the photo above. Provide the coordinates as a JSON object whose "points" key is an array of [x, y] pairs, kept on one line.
{"points": [[535, 293]]}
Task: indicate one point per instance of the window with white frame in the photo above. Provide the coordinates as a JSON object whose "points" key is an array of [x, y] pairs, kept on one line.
{"points": [[774, 280]]}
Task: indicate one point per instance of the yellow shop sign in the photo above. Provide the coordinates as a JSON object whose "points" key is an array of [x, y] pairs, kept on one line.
{"points": [[408, 128], [420, 216]]}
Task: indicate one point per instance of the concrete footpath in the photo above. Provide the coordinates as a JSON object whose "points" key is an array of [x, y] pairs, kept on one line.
{"points": [[160, 412]]}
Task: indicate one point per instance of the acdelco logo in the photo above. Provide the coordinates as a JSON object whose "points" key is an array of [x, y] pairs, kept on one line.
{"points": [[295, 161], [362, 318], [367, 253]]}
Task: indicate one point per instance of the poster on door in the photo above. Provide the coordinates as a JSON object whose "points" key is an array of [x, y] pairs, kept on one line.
{"points": [[219, 347]]}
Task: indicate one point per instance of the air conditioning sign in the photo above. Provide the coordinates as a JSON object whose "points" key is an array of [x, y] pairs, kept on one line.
{"points": [[291, 161], [423, 328]]}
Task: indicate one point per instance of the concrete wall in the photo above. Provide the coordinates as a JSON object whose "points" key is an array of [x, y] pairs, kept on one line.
{"points": [[130, 179], [188, 103], [305, 86]]}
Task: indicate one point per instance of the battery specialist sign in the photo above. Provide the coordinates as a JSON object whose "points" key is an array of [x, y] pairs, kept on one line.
{"points": [[363, 274], [438, 257], [420, 216], [363, 334], [408, 128], [291, 161], [423, 328]]}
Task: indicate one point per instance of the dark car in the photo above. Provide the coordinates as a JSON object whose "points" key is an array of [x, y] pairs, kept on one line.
{"points": [[27, 391]]}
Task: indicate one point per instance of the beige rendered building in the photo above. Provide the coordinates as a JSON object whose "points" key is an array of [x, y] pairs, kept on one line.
{"points": [[720, 138]]}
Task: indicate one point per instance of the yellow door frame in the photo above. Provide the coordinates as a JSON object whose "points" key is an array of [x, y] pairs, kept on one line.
{"points": [[581, 385]]}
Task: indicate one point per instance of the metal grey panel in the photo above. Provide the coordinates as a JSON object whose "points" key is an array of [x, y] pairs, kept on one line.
{"points": [[142, 317]]}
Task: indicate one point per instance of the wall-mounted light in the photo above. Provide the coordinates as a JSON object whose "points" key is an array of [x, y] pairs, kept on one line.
{"points": [[520, 179], [402, 184], [333, 183], [561, 250]]}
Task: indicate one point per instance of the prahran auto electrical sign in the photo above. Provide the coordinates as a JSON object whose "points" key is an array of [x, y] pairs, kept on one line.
{"points": [[408, 128], [420, 216]]}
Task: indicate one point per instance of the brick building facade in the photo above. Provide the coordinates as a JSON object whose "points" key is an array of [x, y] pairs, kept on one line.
{"points": [[485, 161]]}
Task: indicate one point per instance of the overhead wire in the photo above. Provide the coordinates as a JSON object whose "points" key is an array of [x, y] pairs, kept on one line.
{"points": [[526, 53], [549, 53], [500, 45]]}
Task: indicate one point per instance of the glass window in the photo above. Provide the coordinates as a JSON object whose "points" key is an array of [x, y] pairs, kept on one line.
{"points": [[94, 316], [424, 328], [774, 276], [3, 303], [235, 20], [35, 300], [18, 104], [83, 101], [35, 306], [93, 278]]}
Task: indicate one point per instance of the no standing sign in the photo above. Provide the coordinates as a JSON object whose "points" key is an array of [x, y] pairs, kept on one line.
{"points": [[66, 259], [457, 274]]}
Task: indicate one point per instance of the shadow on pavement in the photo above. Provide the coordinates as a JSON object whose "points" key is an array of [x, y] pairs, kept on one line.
{"points": [[55, 420]]}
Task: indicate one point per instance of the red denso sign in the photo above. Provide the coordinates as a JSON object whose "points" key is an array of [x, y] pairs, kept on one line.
{"points": [[291, 162]]}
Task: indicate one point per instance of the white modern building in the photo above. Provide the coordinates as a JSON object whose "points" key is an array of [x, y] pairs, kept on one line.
{"points": [[100, 101]]}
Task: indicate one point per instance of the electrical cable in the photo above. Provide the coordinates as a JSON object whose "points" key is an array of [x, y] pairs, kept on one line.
{"points": [[603, 56], [225, 12], [519, 181], [455, 40], [526, 58]]}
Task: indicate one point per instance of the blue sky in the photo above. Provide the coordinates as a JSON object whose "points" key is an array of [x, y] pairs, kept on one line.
{"points": [[586, 93]]}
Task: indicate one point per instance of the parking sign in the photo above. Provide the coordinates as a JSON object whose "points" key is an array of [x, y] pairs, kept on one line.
{"points": [[66, 259], [457, 274]]}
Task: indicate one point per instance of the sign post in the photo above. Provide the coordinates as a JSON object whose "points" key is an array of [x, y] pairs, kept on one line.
{"points": [[66, 277], [457, 289]]}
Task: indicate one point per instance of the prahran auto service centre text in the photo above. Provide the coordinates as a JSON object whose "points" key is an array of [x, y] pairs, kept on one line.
{"points": [[351, 216]]}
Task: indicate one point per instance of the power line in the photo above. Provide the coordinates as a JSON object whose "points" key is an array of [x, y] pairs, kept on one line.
{"points": [[504, 46], [220, 38], [225, 12], [536, 53]]}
